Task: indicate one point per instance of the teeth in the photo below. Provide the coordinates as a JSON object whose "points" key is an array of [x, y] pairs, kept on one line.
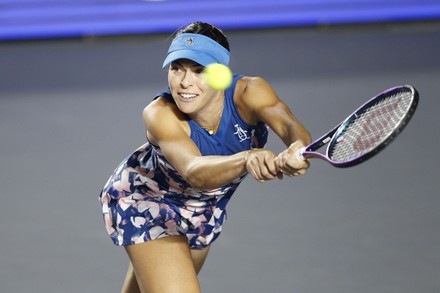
{"points": [[188, 96]]}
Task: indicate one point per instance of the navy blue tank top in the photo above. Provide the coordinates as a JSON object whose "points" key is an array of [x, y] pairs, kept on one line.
{"points": [[233, 135]]}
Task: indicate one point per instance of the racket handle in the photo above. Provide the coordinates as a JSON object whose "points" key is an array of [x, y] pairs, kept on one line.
{"points": [[299, 154]]}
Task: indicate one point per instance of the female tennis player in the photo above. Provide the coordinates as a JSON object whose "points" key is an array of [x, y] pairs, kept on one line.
{"points": [[165, 203]]}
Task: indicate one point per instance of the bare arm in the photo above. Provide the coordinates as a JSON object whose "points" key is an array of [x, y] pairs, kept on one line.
{"points": [[165, 128], [260, 97]]}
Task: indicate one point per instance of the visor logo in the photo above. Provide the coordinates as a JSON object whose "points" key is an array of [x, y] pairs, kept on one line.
{"points": [[189, 42]]}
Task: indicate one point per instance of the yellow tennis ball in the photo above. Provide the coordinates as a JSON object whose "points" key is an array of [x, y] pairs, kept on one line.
{"points": [[218, 76]]}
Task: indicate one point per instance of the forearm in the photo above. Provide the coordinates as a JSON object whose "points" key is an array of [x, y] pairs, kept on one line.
{"points": [[295, 132], [209, 172]]}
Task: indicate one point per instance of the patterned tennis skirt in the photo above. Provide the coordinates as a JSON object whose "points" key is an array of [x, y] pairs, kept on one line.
{"points": [[137, 209]]}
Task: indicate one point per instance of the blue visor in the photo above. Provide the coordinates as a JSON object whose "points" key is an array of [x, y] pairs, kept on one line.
{"points": [[198, 48]]}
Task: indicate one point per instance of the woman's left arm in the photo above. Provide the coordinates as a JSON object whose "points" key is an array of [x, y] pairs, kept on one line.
{"points": [[265, 106]]}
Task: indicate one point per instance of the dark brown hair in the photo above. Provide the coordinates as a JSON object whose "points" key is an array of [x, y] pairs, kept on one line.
{"points": [[208, 30]]}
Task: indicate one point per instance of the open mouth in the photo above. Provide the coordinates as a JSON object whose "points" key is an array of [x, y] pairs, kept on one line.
{"points": [[187, 96]]}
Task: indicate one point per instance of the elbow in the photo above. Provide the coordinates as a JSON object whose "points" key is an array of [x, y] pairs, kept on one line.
{"points": [[195, 179], [198, 182], [200, 176]]}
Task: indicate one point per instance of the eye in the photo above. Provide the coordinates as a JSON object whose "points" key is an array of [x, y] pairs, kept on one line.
{"points": [[199, 70], [174, 67]]}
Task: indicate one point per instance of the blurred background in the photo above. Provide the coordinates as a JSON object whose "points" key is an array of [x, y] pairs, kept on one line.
{"points": [[75, 76]]}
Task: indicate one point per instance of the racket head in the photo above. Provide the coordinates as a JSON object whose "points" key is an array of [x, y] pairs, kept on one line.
{"points": [[372, 127]]}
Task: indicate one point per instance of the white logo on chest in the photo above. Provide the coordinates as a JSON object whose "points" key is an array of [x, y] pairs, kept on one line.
{"points": [[241, 133]]}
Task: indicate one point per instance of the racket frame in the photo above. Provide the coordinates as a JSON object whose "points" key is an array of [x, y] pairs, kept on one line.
{"points": [[330, 138]]}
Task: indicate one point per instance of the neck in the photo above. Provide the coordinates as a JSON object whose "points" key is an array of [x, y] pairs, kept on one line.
{"points": [[210, 119]]}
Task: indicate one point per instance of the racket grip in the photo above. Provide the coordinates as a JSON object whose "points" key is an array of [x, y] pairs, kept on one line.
{"points": [[299, 154]]}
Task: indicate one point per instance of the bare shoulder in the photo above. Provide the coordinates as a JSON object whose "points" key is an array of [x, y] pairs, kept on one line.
{"points": [[254, 82], [252, 94], [250, 82], [162, 117], [254, 89], [157, 108]]}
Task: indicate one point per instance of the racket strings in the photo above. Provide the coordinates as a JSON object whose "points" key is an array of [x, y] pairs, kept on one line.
{"points": [[371, 127]]}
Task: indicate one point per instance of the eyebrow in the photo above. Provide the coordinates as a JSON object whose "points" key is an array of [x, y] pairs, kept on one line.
{"points": [[194, 64], [176, 63]]}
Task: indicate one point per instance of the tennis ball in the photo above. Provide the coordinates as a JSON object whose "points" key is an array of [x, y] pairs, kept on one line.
{"points": [[218, 76]]}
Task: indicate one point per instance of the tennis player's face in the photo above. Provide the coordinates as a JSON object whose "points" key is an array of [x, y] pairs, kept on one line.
{"points": [[188, 87]]}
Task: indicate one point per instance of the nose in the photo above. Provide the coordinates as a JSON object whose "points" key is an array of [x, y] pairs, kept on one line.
{"points": [[187, 80]]}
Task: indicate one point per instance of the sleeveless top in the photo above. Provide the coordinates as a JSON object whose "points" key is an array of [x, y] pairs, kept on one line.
{"points": [[233, 135]]}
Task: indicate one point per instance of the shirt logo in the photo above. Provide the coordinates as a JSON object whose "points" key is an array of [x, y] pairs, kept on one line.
{"points": [[189, 42], [241, 133]]}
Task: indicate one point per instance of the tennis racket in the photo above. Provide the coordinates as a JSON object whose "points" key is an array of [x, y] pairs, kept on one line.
{"points": [[368, 130]]}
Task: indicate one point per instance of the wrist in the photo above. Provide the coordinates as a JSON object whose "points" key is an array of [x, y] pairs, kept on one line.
{"points": [[248, 153]]}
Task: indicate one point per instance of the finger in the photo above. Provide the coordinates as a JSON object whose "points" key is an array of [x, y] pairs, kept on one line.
{"points": [[280, 175], [271, 166], [251, 169], [255, 171], [265, 173], [276, 161], [264, 166], [297, 164]]}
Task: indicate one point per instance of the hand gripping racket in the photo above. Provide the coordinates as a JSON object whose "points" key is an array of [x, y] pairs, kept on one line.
{"points": [[368, 130]]}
